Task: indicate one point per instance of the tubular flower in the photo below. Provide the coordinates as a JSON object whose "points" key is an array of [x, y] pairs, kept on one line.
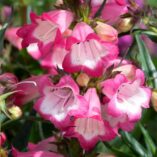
{"points": [[87, 52], [61, 101], [91, 128], [126, 98], [45, 28]]}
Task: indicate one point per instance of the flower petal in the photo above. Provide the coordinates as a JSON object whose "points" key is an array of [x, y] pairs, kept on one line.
{"points": [[81, 31], [87, 57]]}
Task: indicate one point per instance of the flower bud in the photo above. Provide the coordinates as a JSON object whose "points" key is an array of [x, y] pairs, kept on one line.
{"points": [[3, 153], [15, 112], [6, 12], [2, 138], [154, 99], [128, 70], [83, 79], [59, 3], [106, 32], [125, 24], [105, 155]]}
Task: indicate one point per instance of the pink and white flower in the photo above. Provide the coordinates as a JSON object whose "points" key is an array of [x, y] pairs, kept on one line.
{"points": [[126, 98], [44, 29], [45, 148], [61, 101], [88, 53], [91, 128]]}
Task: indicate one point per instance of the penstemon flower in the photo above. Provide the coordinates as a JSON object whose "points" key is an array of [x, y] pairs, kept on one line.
{"points": [[88, 53], [60, 102], [91, 128], [44, 29]]}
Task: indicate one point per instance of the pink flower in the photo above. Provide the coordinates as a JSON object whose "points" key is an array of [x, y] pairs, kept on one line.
{"points": [[11, 36], [46, 145], [28, 89], [61, 101], [119, 7], [91, 128], [35, 154], [45, 148], [45, 28], [87, 52], [126, 98]]}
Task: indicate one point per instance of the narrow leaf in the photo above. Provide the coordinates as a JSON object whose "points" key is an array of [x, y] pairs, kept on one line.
{"points": [[2, 31], [134, 145], [118, 152], [145, 59], [148, 140]]}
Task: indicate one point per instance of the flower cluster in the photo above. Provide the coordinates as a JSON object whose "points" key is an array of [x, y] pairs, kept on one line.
{"points": [[90, 92], [96, 92]]}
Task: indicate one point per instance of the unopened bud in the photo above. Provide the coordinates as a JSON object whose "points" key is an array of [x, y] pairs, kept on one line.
{"points": [[154, 99], [59, 3], [125, 24], [2, 138], [83, 79], [15, 112], [106, 32], [3, 153], [105, 155], [128, 70]]}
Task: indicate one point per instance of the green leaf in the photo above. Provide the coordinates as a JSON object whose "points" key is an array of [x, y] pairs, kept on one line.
{"points": [[145, 59], [152, 35], [148, 140], [2, 118], [152, 3], [118, 152], [2, 31], [134, 145], [4, 96]]}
